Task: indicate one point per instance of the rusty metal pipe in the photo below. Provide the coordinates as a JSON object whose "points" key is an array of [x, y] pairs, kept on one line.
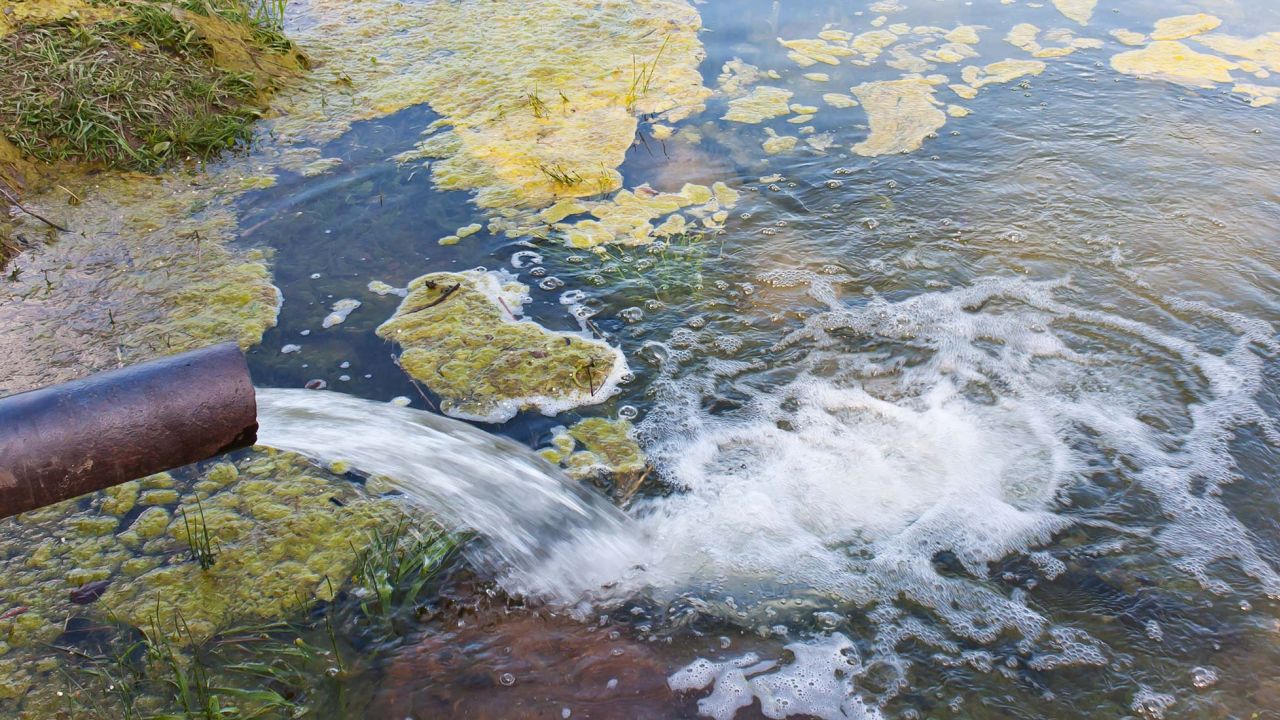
{"points": [[66, 440]]}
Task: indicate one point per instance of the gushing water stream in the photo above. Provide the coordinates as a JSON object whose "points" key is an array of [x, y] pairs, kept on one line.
{"points": [[544, 534]]}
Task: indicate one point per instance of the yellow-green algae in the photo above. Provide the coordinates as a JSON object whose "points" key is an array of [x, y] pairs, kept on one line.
{"points": [[763, 103], [597, 447], [1263, 49], [527, 90], [1079, 10], [628, 217], [461, 336], [148, 270], [1025, 36], [277, 537], [774, 143], [1184, 26], [901, 114], [1175, 62]]}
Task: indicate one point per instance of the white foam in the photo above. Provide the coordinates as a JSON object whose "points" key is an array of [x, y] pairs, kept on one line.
{"points": [[949, 422]]}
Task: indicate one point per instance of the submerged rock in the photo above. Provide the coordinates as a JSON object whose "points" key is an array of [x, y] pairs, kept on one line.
{"points": [[462, 337], [522, 665]]}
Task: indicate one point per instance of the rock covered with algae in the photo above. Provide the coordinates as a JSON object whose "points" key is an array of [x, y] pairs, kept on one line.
{"points": [[276, 533], [461, 335]]}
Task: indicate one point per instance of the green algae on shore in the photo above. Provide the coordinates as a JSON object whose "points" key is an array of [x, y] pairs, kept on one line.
{"points": [[135, 85], [461, 336]]}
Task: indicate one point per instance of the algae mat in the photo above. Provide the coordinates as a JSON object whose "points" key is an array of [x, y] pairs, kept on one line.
{"points": [[462, 337], [539, 100]]}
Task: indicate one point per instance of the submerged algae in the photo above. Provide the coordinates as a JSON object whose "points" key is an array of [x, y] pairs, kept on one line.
{"points": [[280, 544], [149, 272], [268, 565], [460, 335]]}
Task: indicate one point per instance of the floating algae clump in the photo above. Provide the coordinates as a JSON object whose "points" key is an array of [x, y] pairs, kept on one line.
{"points": [[1172, 61], [461, 337], [901, 113], [1184, 26], [1263, 49], [537, 106], [597, 448], [763, 103], [1078, 10], [627, 218]]}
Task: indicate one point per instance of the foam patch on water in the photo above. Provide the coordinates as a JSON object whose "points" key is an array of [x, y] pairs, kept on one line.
{"points": [[818, 682], [949, 424]]}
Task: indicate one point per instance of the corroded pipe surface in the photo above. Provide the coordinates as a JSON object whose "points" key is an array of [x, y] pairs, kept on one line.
{"points": [[66, 440]]}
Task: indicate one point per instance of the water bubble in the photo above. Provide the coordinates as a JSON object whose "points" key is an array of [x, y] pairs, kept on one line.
{"points": [[572, 297], [1202, 677], [628, 412], [870, 223], [316, 384], [775, 188], [891, 184], [613, 683], [525, 258], [745, 216], [538, 272], [551, 283], [834, 184], [507, 679], [768, 231], [631, 314], [627, 377], [696, 322], [576, 259], [315, 276]]}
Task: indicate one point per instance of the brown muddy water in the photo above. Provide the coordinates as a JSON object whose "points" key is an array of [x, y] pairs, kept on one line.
{"points": [[960, 394]]}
